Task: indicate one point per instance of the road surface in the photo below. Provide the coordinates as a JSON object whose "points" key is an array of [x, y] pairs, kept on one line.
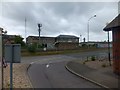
{"points": [[56, 76], [50, 71], [65, 57]]}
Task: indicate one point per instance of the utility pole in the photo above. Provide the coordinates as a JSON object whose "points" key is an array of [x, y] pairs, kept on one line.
{"points": [[39, 30], [84, 40], [80, 38], [25, 29]]}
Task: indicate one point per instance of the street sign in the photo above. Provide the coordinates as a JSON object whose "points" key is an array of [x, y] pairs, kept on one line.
{"points": [[12, 53]]}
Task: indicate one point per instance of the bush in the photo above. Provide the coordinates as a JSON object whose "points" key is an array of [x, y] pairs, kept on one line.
{"points": [[32, 48], [93, 58], [104, 65], [84, 62], [84, 45]]}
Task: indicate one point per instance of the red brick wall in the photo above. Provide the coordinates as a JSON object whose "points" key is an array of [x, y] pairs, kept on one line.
{"points": [[116, 50]]}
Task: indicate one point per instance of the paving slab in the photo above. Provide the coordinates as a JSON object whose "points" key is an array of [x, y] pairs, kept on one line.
{"points": [[104, 79]]}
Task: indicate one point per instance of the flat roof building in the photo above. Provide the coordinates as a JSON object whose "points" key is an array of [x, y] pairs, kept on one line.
{"points": [[60, 42]]}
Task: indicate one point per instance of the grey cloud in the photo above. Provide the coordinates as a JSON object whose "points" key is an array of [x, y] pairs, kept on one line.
{"points": [[17, 11], [64, 17]]}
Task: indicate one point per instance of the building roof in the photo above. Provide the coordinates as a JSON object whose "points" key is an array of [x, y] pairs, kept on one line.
{"points": [[11, 36], [40, 37], [113, 24], [60, 36], [66, 36]]}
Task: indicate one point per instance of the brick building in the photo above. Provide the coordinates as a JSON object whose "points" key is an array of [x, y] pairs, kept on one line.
{"points": [[114, 26], [10, 39], [47, 41], [60, 42], [66, 42]]}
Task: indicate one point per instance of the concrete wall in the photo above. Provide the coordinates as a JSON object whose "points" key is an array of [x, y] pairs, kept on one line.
{"points": [[104, 45]]}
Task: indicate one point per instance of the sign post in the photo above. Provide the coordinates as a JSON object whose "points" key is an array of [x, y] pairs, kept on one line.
{"points": [[12, 55], [11, 76]]}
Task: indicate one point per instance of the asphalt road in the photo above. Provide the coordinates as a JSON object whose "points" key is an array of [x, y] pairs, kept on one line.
{"points": [[65, 57], [56, 76]]}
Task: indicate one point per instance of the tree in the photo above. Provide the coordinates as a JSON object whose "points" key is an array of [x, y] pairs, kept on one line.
{"points": [[32, 48], [19, 40]]}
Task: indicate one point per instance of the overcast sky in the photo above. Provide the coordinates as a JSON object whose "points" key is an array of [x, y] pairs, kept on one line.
{"points": [[70, 18]]}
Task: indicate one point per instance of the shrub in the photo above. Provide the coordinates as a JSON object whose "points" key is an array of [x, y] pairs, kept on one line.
{"points": [[104, 65], [84, 62], [93, 58], [32, 48]]}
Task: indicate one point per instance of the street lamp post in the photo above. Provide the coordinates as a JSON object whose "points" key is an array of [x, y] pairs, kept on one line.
{"points": [[80, 38], [88, 25], [109, 50], [39, 30]]}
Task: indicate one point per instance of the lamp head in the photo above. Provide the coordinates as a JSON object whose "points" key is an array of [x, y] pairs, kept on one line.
{"points": [[39, 25], [5, 32], [1, 28], [94, 15]]}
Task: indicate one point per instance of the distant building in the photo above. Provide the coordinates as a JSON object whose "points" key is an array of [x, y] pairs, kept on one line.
{"points": [[9, 39], [97, 44], [60, 42], [66, 42], [46, 41]]}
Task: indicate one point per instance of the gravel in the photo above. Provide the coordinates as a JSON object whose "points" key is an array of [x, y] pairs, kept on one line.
{"points": [[20, 76]]}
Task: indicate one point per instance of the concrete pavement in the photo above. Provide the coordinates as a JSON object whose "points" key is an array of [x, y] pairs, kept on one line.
{"points": [[104, 79]]}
